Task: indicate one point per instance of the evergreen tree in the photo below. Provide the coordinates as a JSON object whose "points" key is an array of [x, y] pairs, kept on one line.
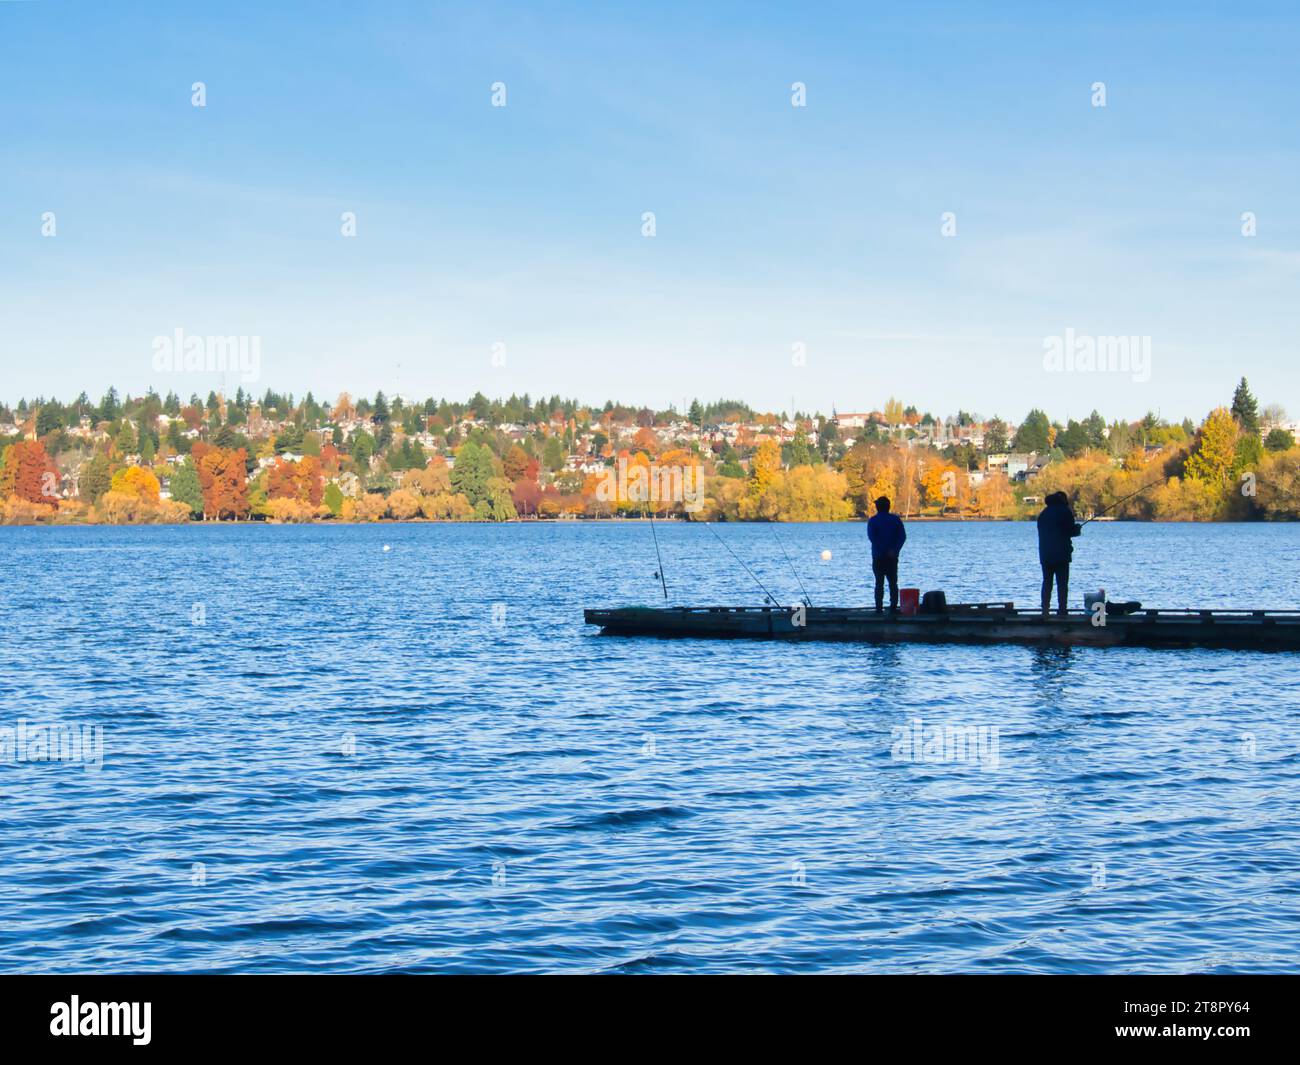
{"points": [[1250, 453], [1095, 426], [126, 442], [553, 453], [176, 440], [49, 419], [1279, 439], [96, 478], [800, 454], [995, 436], [1245, 409], [362, 447], [1073, 440], [185, 487], [1034, 433], [472, 472], [109, 407]]}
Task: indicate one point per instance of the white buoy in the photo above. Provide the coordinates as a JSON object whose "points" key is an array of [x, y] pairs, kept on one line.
{"points": [[387, 548], [826, 555]]}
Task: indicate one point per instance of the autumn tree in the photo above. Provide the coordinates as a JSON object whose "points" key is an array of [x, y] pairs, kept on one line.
{"points": [[516, 463], [1215, 452], [403, 504], [27, 472], [432, 479], [764, 467], [526, 496], [496, 505], [223, 480], [137, 481], [939, 483], [299, 480], [334, 498]]}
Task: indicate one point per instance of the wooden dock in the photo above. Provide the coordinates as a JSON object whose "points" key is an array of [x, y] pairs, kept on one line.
{"points": [[969, 623]]}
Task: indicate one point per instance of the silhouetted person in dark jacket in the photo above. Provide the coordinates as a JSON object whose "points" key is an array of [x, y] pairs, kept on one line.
{"points": [[1056, 527], [887, 536]]}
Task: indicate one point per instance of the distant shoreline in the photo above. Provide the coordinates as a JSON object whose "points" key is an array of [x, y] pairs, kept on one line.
{"points": [[928, 519]]}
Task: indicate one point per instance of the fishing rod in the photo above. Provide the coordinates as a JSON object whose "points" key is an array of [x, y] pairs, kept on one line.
{"points": [[1124, 499], [806, 600], [770, 597], [658, 557]]}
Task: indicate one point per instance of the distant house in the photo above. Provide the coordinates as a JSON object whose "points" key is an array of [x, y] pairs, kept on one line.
{"points": [[1018, 464], [1023, 466], [583, 464], [852, 421], [348, 484]]}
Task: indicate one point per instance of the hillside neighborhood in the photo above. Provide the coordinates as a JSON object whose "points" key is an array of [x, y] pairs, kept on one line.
{"points": [[153, 458]]}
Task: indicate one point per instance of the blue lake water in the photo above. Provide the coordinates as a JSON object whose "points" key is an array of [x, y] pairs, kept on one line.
{"points": [[420, 759]]}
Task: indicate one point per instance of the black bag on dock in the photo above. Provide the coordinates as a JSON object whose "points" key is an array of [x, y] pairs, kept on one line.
{"points": [[934, 603]]}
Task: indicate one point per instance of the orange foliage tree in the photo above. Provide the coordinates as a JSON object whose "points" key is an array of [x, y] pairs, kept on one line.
{"points": [[223, 480], [29, 473], [299, 480]]}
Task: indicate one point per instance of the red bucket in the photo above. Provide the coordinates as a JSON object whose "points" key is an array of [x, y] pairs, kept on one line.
{"points": [[909, 600]]}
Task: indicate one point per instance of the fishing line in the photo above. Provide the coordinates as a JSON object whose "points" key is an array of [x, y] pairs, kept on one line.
{"points": [[770, 597], [807, 601]]}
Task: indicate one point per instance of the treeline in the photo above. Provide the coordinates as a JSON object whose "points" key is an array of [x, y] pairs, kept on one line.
{"points": [[158, 459]]}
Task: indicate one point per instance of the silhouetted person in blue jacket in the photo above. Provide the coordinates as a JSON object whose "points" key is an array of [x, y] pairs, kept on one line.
{"points": [[887, 536], [1056, 528]]}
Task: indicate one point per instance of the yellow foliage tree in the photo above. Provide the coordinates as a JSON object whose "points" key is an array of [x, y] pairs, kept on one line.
{"points": [[764, 467], [1216, 448], [137, 481], [283, 509], [808, 493], [403, 504], [428, 481]]}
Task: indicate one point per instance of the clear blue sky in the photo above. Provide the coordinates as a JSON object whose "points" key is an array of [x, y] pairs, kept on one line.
{"points": [[775, 225]]}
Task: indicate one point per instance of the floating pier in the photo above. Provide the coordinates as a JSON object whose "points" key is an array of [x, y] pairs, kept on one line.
{"points": [[969, 623]]}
